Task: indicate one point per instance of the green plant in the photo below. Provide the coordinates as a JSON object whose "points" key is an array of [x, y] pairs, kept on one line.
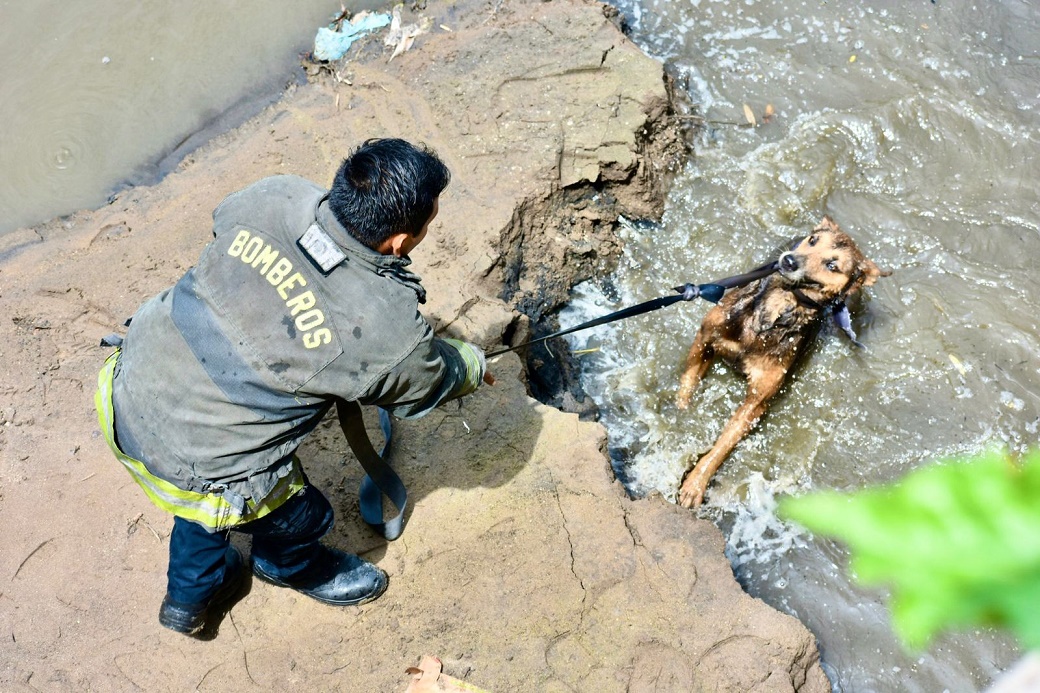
{"points": [[957, 542]]}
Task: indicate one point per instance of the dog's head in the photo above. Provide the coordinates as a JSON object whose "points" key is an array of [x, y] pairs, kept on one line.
{"points": [[829, 263]]}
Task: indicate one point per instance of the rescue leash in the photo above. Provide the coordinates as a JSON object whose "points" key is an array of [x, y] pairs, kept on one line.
{"points": [[381, 480], [712, 291]]}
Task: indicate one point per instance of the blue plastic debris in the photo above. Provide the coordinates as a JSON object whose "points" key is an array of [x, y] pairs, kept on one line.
{"points": [[332, 45]]}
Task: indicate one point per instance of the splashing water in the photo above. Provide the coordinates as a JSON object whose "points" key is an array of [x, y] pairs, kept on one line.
{"points": [[914, 126]]}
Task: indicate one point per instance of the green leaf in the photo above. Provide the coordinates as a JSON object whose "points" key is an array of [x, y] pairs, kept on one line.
{"points": [[958, 543]]}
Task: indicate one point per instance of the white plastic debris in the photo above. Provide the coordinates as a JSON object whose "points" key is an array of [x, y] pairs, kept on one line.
{"points": [[402, 37], [330, 44]]}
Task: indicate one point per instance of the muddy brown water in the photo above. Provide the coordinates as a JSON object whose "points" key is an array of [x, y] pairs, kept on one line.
{"points": [[914, 124], [98, 94]]}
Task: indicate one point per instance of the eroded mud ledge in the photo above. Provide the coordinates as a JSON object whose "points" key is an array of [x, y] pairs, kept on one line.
{"points": [[524, 565]]}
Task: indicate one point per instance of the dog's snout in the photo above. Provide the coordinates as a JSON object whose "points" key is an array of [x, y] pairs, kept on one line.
{"points": [[789, 262]]}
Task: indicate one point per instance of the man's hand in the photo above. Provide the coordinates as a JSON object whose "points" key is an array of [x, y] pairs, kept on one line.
{"points": [[488, 378]]}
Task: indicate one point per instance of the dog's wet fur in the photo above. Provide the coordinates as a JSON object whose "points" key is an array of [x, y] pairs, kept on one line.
{"points": [[762, 328]]}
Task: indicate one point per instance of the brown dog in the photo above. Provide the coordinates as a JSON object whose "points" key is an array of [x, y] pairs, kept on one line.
{"points": [[762, 328]]}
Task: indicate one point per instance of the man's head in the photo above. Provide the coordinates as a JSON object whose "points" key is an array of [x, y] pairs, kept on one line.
{"points": [[385, 193]]}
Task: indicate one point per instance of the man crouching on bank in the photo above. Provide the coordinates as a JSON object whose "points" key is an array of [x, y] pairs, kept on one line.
{"points": [[302, 298]]}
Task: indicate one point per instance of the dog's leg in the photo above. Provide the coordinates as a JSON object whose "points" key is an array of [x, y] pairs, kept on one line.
{"points": [[762, 385], [697, 363]]}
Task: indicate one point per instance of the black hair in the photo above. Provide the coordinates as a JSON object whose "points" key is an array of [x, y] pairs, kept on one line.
{"points": [[387, 186]]}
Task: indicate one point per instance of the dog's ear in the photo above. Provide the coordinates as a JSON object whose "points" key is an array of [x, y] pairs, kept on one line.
{"points": [[871, 272], [827, 224]]}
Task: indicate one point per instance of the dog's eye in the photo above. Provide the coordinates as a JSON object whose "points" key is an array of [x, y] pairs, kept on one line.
{"points": [[813, 240], [832, 265]]}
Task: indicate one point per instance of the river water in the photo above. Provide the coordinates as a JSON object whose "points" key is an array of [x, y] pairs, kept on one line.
{"points": [[915, 125], [96, 94]]}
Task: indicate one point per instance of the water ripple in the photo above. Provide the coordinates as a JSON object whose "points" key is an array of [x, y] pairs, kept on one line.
{"points": [[916, 128]]}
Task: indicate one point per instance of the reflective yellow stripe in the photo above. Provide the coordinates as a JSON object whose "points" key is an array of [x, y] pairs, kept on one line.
{"points": [[474, 367], [208, 509]]}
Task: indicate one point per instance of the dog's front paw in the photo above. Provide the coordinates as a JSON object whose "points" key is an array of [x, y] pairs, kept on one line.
{"points": [[682, 400], [691, 493]]}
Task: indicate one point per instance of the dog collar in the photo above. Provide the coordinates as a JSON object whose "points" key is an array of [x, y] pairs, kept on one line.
{"points": [[806, 301], [839, 311], [844, 321]]}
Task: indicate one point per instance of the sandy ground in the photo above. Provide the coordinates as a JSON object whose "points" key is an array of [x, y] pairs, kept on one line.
{"points": [[524, 566]]}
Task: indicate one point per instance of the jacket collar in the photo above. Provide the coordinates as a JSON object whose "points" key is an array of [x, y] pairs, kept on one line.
{"points": [[389, 266]]}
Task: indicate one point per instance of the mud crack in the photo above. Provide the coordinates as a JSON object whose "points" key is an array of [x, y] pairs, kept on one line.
{"points": [[570, 542]]}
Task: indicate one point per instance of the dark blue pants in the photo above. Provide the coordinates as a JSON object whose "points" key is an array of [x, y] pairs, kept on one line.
{"points": [[285, 543]]}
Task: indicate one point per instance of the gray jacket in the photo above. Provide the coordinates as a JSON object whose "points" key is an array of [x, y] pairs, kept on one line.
{"points": [[222, 376]]}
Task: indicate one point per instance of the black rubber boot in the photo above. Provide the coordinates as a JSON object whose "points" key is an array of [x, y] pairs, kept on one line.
{"points": [[337, 578], [190, 619]]}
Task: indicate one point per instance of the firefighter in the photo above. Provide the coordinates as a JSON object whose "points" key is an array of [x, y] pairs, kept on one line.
{"points": [[303, 297]]}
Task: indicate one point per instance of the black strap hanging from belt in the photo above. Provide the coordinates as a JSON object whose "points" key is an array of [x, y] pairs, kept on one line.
{"points": [[380, 479]]}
